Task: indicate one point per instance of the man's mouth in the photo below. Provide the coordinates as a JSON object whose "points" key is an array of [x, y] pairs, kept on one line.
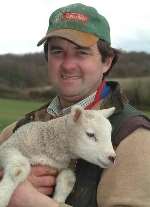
{"points": [[72, 77]]}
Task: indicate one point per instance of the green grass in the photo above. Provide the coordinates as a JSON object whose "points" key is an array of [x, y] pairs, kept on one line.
{"points": [[12, 110], [148, 113]]}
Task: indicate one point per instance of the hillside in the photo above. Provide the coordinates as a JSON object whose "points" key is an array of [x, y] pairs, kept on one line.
{"points": [[30, 70]]}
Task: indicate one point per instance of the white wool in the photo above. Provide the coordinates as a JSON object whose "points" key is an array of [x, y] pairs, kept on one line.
{"points": [[80, 134]]}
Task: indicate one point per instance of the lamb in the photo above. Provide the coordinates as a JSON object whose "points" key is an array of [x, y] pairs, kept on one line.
{"points": [[80, 134]]}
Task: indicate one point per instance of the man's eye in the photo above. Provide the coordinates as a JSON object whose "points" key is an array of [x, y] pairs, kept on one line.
{"points": [[56, 51], [82, 52]]}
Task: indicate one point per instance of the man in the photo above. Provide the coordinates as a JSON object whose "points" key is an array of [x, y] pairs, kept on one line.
{"points": [[78, 50]]}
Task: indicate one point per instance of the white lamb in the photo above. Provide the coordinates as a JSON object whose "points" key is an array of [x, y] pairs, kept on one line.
{"points": [[80, 134]]}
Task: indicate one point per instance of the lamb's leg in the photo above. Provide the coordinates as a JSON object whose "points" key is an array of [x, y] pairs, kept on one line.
{"points": [[64, 185], [16, 169]]}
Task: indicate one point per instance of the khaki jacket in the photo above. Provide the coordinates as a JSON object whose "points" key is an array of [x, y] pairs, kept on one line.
{"points": [[127, 182]]}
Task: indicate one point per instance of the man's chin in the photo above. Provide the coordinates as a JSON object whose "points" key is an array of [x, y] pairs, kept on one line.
{"points": [[73, 97]]}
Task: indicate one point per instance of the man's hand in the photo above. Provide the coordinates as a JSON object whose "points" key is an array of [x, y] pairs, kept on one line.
{"points": [[43, 178], [26, 195]]}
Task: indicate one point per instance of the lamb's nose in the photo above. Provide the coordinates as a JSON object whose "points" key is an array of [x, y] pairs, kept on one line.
{"points": [[112, 158]]}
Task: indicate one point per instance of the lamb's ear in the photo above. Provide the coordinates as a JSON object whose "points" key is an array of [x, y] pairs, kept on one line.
{"points": [[76, 112], [108, 112]]}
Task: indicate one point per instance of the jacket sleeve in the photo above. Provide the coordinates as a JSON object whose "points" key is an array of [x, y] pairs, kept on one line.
{"points": [[7, 132], [127, 181]]}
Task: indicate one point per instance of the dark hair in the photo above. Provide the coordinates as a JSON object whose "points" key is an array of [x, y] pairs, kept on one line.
{"points": [[104, 49], [107, 51], [46, 50]]}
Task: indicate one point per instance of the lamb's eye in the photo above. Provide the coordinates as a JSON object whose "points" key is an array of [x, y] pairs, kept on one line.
{"points": [[91, 135]]}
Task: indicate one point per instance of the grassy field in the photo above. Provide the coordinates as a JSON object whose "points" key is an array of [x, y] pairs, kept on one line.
{"points": [[12, 110], [147, 112]]}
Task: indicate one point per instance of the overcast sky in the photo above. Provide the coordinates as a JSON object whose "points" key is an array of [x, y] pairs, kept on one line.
{"points": [[24, 22]]}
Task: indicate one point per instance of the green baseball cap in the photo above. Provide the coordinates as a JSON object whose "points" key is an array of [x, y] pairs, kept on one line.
{"points": [[78, 23]]}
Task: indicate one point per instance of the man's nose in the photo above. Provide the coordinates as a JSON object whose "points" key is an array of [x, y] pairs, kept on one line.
{"points": [[68, 63]]}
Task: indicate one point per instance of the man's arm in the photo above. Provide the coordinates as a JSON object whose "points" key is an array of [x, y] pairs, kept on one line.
{"points": [[7, 132], [27, 196], [127, 182]]}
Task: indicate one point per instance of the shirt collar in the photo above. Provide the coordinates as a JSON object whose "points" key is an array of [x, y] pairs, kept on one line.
{"points": [[54, 107]]}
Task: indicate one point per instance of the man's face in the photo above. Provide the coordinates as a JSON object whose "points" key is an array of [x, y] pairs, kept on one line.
{"points": [[74, 71]]}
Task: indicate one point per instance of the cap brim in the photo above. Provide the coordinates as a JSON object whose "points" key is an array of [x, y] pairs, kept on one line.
{"points": [[80, 38]]}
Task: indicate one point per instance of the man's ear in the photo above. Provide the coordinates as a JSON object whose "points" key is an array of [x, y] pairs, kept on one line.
{"points": [[46, 50], [76, 112], [107, 64]]}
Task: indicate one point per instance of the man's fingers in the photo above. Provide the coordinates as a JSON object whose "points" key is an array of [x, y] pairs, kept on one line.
{"points": [[43, 170], [43, 181], [46, 190]]}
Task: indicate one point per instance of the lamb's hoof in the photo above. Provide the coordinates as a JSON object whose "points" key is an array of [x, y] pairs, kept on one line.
{"points": [[64, 185], [19, 172]]}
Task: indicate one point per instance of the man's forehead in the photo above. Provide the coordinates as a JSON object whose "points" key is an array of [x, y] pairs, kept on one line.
{"points": [[59, 41]]}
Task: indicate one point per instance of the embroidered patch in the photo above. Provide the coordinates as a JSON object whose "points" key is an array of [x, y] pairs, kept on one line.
{"points": [[75, 17]]}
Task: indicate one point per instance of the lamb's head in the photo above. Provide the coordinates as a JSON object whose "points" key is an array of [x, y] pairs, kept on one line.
{"points": [[91, 135]]}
